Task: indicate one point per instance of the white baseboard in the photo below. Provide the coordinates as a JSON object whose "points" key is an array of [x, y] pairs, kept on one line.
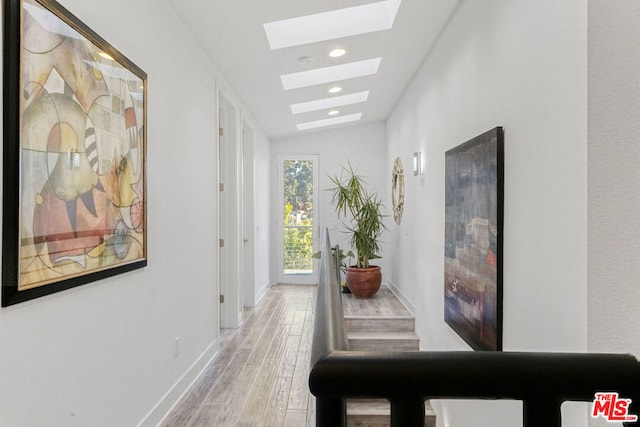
{"points": [[180, 388], [262, 292], [403, 299]]}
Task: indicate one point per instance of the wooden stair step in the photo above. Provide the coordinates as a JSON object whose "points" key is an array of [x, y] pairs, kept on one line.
{"points": [[384, 341], [376, 413], [380, 324]]}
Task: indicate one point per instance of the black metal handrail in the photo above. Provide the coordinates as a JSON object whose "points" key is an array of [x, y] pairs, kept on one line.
{"points": [[542, 381]]}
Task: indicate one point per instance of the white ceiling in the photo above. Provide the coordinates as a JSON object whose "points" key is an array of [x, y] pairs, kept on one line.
{"points": [[232, 32]]}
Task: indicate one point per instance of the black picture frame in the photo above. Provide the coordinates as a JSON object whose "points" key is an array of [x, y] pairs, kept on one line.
{"points": [[474, 200], [74, 157]]}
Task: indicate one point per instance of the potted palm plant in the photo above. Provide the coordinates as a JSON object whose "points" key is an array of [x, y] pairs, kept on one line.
{"points": [[362, 210]]}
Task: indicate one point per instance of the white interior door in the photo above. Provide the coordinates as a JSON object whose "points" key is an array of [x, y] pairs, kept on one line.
{"points": [[230, 214], [298, 221], [248, 241]]}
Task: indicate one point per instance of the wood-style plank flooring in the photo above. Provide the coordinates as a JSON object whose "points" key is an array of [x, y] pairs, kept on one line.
{"points": [[260, 376], [383, 304]]}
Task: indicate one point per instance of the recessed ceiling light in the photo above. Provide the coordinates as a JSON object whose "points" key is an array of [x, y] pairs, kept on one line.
{"points": [[331, 25], [337, 53], [326, 103], [333, 112], [330, 74], [335, 89], [329, 122]]}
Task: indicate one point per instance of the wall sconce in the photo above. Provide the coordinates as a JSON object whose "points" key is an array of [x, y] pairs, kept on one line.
{"points": [[417, 163]]}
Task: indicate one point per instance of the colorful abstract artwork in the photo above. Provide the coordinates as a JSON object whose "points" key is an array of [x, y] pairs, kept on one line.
{"points": [[74, 165], [473, 240]]}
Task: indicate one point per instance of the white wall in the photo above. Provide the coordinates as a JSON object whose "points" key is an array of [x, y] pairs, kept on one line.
{"points": [[520, 65], [103, 354], [614, 157], [262, 221], [614, 174], [363, 146]]}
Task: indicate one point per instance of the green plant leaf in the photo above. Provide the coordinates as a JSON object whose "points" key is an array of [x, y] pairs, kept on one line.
{"points": [[362, 209]]}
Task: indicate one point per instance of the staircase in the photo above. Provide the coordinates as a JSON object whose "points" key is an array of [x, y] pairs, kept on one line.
{"points": [[381, 323]]}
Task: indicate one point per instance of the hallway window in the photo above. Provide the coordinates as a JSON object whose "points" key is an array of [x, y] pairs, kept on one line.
{"points": [[298, 216]]}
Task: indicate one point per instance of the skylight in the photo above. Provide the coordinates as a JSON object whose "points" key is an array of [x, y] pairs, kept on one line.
{"points": [[329, 122], [331, 25], [326, 103], [330, 74]]}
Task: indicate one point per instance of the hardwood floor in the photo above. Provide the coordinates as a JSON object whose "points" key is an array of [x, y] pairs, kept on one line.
{"points": [[259, 377], [383, 304]]}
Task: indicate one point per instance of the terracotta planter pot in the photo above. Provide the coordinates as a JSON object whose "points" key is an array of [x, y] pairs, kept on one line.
{"points": [[364, 282]]}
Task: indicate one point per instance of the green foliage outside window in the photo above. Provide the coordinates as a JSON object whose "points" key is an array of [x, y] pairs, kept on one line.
{"points": [[298, 215]]}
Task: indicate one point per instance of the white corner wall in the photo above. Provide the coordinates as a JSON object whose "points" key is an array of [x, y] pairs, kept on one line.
{"points": [[520, 65], [103, 354], [363, 146], [614, 174], [263, 201]]}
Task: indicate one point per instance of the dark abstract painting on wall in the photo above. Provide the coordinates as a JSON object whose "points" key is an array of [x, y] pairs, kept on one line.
{"points": [[473, 240], [74, 202]]}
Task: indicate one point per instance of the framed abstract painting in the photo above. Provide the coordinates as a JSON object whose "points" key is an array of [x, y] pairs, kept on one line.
{"points": [[74, 170], [474, 174]]}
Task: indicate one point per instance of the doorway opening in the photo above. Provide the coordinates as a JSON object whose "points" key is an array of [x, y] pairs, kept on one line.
{"points": [[298, 182]]}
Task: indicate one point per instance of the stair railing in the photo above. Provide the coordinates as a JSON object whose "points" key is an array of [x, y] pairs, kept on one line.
{"points": [[542, 381]]}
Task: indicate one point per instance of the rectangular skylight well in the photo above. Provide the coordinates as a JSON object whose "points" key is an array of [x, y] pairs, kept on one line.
{"points": [[335, 101], [331, 25], [330, 74], [329, 122]]}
